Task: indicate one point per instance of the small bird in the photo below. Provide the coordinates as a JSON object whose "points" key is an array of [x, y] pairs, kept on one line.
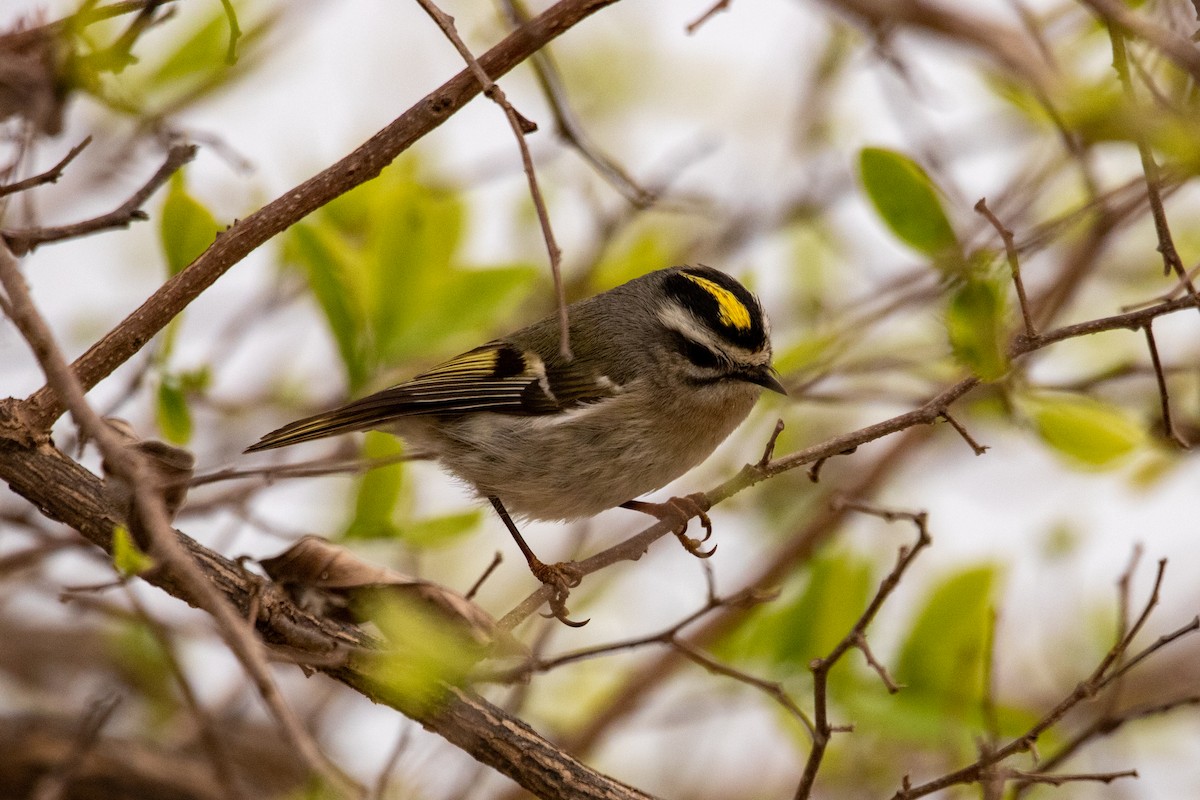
{"points": [[663, 368]]}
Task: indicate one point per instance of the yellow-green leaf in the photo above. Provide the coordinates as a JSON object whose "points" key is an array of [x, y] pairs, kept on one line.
{"points": [[1088, 431], [378, 491], [186, 228], [942, 657], [172, 412], [908, 202], [424, 655], [128, 558], [975, 324], [442, 530]]}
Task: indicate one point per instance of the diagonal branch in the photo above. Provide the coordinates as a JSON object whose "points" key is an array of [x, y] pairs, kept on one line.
{"points": [[122, 342]]}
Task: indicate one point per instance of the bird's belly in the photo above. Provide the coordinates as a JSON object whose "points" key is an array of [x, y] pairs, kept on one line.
{"points": [[579, 464]]}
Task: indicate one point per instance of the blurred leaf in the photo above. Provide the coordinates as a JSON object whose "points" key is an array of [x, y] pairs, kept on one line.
{"points": [[211, 52], [1089, 432], [635, 255], [186, 228], [320, 254], [942, 657], [382, 263], [441, 531], [906, 200], [171, 411], [378, 491], [975, 322], [792, 633], [810, 352], [128, 558], [424, 653], [138, 656]]}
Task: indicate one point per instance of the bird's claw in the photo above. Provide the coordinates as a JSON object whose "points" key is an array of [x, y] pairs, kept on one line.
{"points": [[677, 511], [561, 578]]}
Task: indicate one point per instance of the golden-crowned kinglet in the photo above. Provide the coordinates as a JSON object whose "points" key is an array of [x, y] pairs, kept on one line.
{"points": [[664, 367]]}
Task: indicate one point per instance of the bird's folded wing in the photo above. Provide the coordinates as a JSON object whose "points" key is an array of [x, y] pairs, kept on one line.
{"points": [[496, 377]]}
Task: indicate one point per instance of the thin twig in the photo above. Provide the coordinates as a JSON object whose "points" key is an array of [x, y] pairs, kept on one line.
{"points": [[1166, 245], [772, 689], [1173, 46], [49, 176], [1163, 397], [21, 242], [54, 785], [568, 126], [379, 790], [712, 11], [976, 447], [210, 734], [769, 450], [1112, 667], [487, 572], [1104, 726], [520, 126], [856, 638], [1014, 263]]}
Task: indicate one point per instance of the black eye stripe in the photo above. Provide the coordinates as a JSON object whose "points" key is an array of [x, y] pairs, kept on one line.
{"points": [[697, 353]]}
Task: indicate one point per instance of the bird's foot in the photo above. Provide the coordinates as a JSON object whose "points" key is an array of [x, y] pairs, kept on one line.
{"points": [[678, 511], [561, 578]]}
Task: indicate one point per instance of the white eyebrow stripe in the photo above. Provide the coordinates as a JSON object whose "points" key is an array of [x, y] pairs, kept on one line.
{"points": [[681, 321]]}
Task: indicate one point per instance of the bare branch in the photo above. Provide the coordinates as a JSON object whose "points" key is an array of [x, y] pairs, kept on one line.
{"points": [[49, 176], [856, 637], [21, 242], [713, 10], [1014, 264], [568, 126], [976, 447], [1166, 245], [1176, 48], [520, 126], [1164, 398]]}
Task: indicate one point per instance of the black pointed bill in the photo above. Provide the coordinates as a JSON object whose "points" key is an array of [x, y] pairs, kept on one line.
{"points": [[765, 378]]}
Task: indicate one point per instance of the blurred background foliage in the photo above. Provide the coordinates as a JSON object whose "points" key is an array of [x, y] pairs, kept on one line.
{"points": [[830, 162]]}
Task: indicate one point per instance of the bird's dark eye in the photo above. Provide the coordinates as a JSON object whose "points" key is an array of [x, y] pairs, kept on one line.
{"points": [[698, 354]]}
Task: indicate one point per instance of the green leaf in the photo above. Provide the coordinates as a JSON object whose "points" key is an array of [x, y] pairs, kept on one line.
{"points": [[425, 654], [908, 202], [378, 491], [942, 657], [441, 531], [975, 322], [186, 228], [172, 412], [128, 558], [329, 273], [137, 657], [806, 624], [1089, 432], [382, 262]]}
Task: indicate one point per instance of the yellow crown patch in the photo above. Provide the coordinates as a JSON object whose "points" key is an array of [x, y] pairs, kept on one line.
{"points": [[733, 312]]}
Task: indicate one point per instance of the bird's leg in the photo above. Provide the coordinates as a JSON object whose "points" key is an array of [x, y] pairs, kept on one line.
{"points": [[678, 510], [561, 577]]}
